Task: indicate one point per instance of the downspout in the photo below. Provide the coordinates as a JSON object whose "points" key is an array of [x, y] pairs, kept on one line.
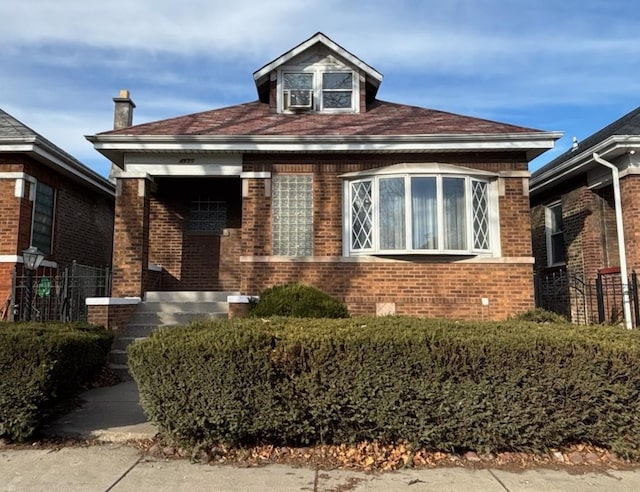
{"points": [[624, 278]]}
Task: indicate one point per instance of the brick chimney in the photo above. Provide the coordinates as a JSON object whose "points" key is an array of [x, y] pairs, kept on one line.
{"points": [[123, 114]]}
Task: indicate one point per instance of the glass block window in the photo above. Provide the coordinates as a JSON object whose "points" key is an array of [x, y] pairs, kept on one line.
{"points": [[292, 204], [480, 208], [42, 230], [208, 216]]}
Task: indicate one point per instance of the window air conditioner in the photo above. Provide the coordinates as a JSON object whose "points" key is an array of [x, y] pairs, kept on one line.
{"points": [[300, 99]]}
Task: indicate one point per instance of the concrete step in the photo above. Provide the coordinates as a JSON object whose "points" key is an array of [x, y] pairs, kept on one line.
{"points": [[122, 371], [188, 296], [118, 357], [138, 330], [174, 318], [182, 307], [121, 343]]}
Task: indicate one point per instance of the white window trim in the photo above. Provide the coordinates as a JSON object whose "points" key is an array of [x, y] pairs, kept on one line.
{"points": [[318, 101], [492, 210], [548, 232]]}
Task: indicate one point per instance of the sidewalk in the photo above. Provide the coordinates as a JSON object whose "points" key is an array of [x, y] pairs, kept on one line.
{"points": [[113, 467], [113, 414]]}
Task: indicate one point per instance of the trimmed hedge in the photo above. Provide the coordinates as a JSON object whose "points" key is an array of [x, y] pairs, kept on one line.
{"points": [[297, 300], [42, 365], [437, 384]]}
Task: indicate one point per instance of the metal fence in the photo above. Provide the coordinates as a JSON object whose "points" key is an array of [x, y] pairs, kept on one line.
{"points": [[57, 294], [599, 300]]}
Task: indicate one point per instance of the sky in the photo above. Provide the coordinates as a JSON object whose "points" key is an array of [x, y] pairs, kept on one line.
{"points": [[561, 65]]}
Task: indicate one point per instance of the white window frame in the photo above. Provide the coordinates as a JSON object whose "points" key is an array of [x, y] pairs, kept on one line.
{"points": [[318, 100], [550, 233], [492, 211]]}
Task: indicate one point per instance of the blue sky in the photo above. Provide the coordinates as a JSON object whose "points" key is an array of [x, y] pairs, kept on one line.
{"points": [[571, 66]]}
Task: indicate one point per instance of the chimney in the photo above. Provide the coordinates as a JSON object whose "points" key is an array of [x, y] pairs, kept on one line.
{"points": [[123, 114]]}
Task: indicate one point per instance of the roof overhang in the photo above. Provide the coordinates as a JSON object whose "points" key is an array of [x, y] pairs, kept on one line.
{"points": [[610, 149], [114, 147], [48, 154]]}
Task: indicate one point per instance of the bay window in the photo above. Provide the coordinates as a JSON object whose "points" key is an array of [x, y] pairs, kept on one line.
{"points": [[420, 213]]}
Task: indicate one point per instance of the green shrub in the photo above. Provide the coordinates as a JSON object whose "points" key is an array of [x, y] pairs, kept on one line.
{"points": [[539, 315], [437, 384], [297, 300], [42, 365]]}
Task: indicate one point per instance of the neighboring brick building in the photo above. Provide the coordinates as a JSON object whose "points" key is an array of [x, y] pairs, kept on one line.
{"points": [[390, 208], [573, 217], [50, 200]]}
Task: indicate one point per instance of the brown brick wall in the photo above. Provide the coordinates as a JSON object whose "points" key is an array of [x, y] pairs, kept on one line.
{"points": [[83, 226], [430, 289], [590, 233], [9, 217], [515, 225], [131, 239], [426, 288], [83, 219], [630, 197], [113, 318], [327, 199]]}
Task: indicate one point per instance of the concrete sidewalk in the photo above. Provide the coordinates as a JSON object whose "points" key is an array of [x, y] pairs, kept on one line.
{"points": [[113, 415], [113, 467], [110, 414]]}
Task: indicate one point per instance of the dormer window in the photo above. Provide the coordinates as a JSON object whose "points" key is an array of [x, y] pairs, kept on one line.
{"points": [[318, 89], [297, 91], [337, 90]]}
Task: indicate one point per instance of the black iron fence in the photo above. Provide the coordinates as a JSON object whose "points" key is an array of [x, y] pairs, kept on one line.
{"points": [[57, 293], [599, 300]]}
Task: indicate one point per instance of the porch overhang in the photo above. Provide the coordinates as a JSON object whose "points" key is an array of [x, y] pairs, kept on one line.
{"points": [[116, 147]]}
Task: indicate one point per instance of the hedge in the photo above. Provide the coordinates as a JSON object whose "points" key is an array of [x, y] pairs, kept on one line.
{"points": [[42, 365], [439, 385], [298, 300]]}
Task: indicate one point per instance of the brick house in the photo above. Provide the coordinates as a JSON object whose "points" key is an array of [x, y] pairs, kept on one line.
{"points": [[574, 223], [388, 207], [50, 200]]}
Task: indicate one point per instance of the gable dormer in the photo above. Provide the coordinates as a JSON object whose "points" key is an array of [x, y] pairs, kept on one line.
{"points": [[317, 76]]}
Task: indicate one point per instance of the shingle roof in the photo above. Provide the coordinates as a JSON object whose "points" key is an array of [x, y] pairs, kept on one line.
{"points": [[12, 128], [629, 124], [381, 118]]}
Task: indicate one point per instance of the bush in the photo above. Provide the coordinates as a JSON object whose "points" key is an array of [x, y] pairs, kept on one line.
{"points": [[298, 300], [539, 315], [439, 385], [42, 365]]}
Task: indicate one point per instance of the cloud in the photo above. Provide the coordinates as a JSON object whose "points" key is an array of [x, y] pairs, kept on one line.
{"points": [[520, 61]]}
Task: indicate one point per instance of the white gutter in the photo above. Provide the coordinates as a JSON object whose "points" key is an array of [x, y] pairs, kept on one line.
{"points": [[624, 278]]}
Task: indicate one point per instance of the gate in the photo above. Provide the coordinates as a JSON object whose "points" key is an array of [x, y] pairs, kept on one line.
{"points": [[586, 302], [57, 294]]}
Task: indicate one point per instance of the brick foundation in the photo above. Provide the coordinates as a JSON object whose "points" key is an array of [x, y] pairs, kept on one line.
{"points": [[113, 317]]}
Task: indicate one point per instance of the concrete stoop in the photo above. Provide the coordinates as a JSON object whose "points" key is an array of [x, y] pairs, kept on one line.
{"points": [[160, 309]]}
